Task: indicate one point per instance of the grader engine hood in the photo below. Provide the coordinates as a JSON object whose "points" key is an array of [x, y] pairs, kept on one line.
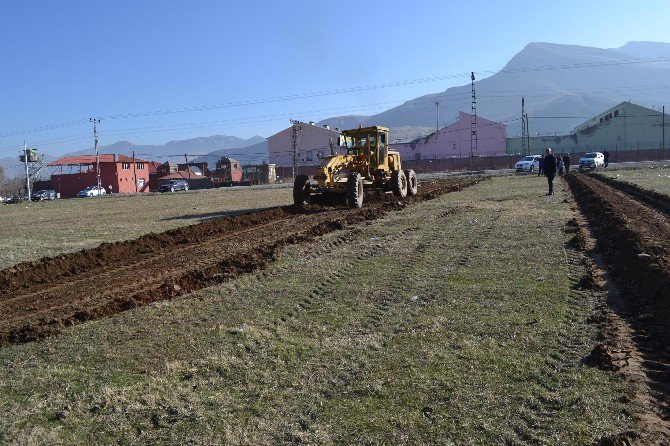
{"points": [[335, 169]]}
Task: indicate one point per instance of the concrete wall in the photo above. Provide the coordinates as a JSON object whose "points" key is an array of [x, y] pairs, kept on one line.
{"points": [[312, 140], [454, 141]]}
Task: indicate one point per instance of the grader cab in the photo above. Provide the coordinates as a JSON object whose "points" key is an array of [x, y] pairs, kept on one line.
{"points": [[368, 163]]}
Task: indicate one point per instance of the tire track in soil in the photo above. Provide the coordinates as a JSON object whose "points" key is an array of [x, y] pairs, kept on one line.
{"points": [[394, 302], [651, 198], [247, 250], [630, 243], [565, 355]]}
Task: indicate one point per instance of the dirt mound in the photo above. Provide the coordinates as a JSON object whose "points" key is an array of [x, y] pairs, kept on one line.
{"points": [[658, 201], [40, 298], [633, 237]]}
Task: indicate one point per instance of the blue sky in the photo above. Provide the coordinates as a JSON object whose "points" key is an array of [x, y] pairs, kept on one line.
{"points": [[65, 61]]}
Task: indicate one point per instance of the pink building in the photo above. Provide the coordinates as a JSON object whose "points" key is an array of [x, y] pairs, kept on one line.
{"points": [[312, 142], [454, 140]]}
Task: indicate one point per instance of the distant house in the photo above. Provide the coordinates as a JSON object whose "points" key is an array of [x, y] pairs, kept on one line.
{"points": [[118, 174], [455, 140], [228, 172], [259, 174], [312, 142]]}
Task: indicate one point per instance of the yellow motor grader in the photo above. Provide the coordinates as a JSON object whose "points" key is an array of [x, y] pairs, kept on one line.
{"points": [[368, 163]]}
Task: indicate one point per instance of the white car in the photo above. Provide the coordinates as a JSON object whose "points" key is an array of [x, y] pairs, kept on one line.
{"points": [[92, 191], [592, 160], [528, 163]]}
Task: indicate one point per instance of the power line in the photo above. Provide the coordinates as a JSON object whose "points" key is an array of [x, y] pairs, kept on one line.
{"points": [[335, 92]]}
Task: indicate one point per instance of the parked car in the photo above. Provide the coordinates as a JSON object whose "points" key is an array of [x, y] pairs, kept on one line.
{"points": [[528, 163], [173, 185], [592, 160], [13, 199], [92, 191], [45, 194]]}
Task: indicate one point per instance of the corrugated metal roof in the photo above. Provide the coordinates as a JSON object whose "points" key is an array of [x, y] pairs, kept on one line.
{"points": [[90, 159]]}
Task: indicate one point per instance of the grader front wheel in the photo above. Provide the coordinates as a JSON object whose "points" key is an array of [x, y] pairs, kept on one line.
{"points": [[355, 190]]}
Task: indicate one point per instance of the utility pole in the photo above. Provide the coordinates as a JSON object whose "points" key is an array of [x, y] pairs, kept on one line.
{"points": [[663, 137], [97, 155], [187, 166], [437, 118], [25, 157], [30, 157], [473, 120], [134, 171], [528, 135], [523, 126], [296, 128]]}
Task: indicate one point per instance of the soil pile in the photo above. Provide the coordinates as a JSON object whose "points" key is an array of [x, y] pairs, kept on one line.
{"points": [[40, 298]]}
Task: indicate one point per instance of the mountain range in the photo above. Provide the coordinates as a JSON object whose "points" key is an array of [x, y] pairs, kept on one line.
{"points": [[563, 85]]}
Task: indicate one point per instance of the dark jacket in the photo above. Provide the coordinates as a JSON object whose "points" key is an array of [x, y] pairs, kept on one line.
{"points": [[567, 160], [550, 165]]}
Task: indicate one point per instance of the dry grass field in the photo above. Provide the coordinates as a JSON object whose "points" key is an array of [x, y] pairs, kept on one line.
{"points": [[459, 320], [657, 178]]}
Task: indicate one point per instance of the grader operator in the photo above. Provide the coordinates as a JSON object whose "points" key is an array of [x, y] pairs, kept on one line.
{"points": [[368, 163]]}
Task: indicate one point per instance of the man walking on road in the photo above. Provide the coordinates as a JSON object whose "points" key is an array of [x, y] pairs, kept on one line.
{"points": [[550, 169]]}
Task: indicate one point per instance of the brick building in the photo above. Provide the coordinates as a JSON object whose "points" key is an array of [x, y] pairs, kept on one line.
{"points": [[118, 174]]}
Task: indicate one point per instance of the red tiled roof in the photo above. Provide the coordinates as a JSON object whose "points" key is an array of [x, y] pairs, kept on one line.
{"points": [[153, 166], [90, 159]]}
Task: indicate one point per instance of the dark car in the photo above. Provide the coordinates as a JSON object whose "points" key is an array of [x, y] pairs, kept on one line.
{"points": [[13, 199], [46, 194], [173, 185]]}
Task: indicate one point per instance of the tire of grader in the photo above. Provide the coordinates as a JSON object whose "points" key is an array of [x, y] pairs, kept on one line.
{"points": [[301, 190], [354, 190], [412, 182], [399, 183]]}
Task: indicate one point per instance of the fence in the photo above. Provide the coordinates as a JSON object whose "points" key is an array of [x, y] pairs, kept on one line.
{"points": [[490, 162]]}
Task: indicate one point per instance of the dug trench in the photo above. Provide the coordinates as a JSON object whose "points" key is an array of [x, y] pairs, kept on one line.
{"points": [[41, 298], [631, 238]]}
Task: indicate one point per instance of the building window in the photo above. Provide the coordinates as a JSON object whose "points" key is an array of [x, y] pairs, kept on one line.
{"points": [[310, 155], [140, 182], [125, 165], [140, 166], [616, 112]]}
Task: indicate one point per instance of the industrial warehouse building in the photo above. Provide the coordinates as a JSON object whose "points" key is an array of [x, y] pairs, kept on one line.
{"points": [[118, 174], [626, 126], [455, 140]]}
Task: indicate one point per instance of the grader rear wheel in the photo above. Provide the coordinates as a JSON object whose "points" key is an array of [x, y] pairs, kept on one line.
{"points": [[355, 190], [399, 183], [412, 182]]}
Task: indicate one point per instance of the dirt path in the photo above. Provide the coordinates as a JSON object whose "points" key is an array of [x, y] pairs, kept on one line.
{"points": [[632, 241], [41, 298]]}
